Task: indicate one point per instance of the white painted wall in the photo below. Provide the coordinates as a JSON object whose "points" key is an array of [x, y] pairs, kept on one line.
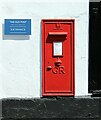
{"points": [[20, 63]]}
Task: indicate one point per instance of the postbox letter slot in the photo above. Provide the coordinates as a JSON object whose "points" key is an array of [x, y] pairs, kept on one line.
{"points": [[58, 33]]}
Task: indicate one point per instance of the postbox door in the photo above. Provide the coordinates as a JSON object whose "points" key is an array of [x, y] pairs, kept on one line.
{"points": [[58, 57]]}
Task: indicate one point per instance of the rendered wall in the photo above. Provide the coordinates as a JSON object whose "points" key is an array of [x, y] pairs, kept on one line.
{"points": [[20, 56]]}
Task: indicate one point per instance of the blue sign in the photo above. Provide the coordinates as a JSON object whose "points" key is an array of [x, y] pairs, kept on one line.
{"points": [[17, 27]]}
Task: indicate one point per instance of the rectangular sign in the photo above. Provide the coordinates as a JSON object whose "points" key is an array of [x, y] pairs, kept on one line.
{"points": [[57, 46], [17, 27]]}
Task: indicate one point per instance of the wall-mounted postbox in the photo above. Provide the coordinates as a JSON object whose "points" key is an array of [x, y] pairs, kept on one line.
{"points": [[58, 57]]}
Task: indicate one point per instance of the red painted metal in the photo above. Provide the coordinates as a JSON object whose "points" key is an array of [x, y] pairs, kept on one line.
{"points": [[58, 72]]}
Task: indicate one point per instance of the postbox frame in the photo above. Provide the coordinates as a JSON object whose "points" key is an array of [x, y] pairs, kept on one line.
{"points": [[72, 22]]}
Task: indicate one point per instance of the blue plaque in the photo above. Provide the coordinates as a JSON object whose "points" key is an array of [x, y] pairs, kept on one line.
{"points": [[17, 27]]}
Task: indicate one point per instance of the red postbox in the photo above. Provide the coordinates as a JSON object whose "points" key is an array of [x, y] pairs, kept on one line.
{"points": [[58, 57]]}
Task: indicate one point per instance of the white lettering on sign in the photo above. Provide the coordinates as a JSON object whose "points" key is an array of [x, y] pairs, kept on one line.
{"points": [[17, 21], [18, 29], [57, 48]]}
